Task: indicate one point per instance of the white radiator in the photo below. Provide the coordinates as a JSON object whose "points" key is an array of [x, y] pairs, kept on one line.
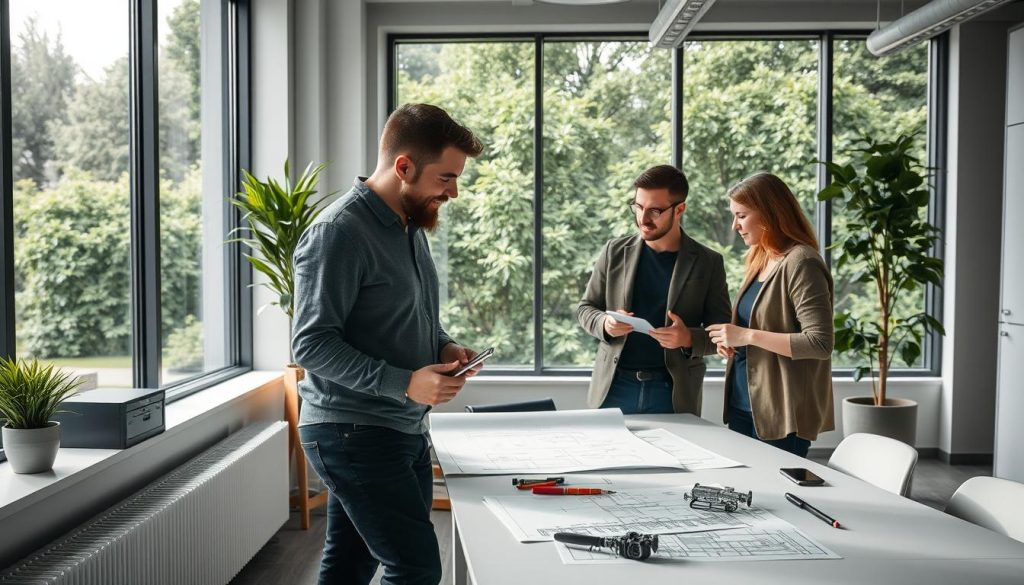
{"points": [[198, 525]]}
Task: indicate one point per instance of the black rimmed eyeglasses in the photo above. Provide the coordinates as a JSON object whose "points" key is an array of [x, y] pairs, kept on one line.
{"points": [[654, 212]]}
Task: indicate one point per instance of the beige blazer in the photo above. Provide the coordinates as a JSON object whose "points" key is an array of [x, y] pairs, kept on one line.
{"points": [[697, 293], [791, 395]]}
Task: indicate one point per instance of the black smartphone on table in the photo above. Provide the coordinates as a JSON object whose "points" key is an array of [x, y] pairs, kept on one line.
{"points": [[473, 362], [801, 476]]}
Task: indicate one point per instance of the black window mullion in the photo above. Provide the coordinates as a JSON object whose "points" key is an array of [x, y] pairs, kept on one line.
{"points": [[144, 196], [825, 112], [241, 148], [7, 338], [677, 106], [538, 204], [938, 78]]}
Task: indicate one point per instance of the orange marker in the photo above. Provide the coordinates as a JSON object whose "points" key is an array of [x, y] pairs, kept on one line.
{"points": [[570, 491], [527, 486]]}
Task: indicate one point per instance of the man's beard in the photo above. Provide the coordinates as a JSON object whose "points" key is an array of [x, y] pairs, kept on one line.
{"points": [[419, 211], [657, 234]]}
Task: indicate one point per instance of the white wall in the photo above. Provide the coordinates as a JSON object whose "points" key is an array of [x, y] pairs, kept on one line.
{"points": [[333, 108], [976, 122]]}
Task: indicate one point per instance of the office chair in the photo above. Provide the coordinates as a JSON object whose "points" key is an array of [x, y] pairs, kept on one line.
{"points": [[991, 503], [881, 461], [442, 502]]}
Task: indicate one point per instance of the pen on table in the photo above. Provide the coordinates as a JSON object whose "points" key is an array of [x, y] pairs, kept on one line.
{"points": [[802, 504], [570, 491], [527, 483]]}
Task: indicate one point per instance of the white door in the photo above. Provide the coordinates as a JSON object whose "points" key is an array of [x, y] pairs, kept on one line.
{"points": [[1009, 448], [1012, 305]]}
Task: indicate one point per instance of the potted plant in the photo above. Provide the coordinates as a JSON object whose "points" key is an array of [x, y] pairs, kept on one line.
{"points": [[883, 198], [30, 394], [274, 217]]}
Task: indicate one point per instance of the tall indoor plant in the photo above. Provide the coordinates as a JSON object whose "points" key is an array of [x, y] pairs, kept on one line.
{"points": [[274, 217], [30, 394], [883, 197]]}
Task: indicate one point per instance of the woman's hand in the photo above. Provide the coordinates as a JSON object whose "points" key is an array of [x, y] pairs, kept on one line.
{"points": [[729, 335], [725, 352]]}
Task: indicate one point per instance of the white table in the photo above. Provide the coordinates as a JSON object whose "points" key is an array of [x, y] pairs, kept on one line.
{"points": [[885, 539]]}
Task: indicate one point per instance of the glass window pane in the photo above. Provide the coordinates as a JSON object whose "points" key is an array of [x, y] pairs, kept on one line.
{"points": [[483, 247], [192, 190], [607, 118], [747, 106], [878, 98], [71, 199]]}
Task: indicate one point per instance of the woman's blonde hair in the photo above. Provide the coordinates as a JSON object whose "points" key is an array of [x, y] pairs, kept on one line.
{"points": [[784, 221]]}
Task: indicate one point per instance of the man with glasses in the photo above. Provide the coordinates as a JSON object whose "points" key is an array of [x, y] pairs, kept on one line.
{"points": [[665, 277]]}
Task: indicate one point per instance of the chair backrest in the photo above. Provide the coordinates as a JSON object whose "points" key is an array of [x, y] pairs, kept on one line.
{"points": [[527, 406], [996, 504], [881, 461]]}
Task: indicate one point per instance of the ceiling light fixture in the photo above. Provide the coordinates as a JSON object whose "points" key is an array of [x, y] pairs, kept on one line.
{"points": [[675, 20]]}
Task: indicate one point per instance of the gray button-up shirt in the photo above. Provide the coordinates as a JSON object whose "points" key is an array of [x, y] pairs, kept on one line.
{"points": [[366, 314]]}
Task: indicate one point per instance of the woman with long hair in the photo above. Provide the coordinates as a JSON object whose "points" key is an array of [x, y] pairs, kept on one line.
{"points": [[778, 380]]}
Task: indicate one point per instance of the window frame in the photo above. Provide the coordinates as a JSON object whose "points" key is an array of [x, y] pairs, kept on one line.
{"points": [[936, 149], [144, 196]]}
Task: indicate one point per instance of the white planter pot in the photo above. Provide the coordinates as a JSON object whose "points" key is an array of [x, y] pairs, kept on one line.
{"points": [[897, 419], [32, 450]]}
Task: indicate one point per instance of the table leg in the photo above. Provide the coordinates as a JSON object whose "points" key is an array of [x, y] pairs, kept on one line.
{"points": [[460, 571]]}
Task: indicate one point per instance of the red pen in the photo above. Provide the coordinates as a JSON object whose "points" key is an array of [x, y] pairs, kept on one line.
{"points": [[527, 486], [570, 491]]}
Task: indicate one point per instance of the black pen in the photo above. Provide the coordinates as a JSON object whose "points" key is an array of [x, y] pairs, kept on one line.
{"points": [[802, 504]]}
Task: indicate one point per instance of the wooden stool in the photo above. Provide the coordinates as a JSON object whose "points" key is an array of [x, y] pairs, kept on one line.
{"points": [[441, 501], [292, 375]]}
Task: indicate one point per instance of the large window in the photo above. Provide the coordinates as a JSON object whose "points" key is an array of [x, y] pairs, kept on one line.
{"points": [[569, 122], [87, 170]]}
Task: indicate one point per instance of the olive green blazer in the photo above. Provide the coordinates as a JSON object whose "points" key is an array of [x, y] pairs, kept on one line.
{"points": [[697, 293], [791, 395]]}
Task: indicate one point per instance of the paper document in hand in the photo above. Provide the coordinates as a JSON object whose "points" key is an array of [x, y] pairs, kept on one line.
{"points": [[649, 510], [690, 455], [639, 325], [769, 539], [501, 443]]}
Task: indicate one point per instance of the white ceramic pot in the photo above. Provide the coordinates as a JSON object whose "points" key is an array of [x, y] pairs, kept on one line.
{"points": [[32, 450]]}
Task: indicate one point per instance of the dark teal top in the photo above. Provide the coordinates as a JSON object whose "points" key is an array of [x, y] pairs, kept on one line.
{"points": [[650, 302], [739, 395]]}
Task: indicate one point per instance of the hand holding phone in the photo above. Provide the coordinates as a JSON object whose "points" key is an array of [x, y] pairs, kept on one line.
{"points": [[801, 476], [480, 357]]}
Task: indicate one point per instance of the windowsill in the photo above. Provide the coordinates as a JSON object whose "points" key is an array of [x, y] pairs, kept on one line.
{"points": [[72, 466], [557, 381]]}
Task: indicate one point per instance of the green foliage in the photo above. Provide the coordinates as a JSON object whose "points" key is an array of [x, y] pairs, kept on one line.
{"points": [[275, 217], [31, 393], [43, 78], [883, 198], [184, 349]]}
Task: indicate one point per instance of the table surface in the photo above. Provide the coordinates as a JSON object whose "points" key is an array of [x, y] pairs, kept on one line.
{"points": [[885, 538]]}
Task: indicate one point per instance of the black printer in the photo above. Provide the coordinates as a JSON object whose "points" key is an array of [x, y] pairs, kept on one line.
{"points": [[111, 418]]}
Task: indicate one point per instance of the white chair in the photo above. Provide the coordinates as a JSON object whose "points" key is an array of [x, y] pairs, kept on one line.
{"points": [[996, 504], [881, 461]]}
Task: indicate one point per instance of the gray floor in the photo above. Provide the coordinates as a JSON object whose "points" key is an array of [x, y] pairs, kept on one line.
{"points": [[293, 554]]}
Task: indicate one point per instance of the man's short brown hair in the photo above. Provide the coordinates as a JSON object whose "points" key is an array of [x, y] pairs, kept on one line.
{"points": [[422, 132], [665, 177]]}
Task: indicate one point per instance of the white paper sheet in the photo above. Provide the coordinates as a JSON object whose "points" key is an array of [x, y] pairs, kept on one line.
{"points": [[690, 455], [535, 518], [639, 325], [504, 443], [769, 539]]}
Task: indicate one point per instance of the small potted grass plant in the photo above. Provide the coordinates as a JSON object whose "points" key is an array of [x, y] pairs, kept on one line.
{"points": [[30, 394]]}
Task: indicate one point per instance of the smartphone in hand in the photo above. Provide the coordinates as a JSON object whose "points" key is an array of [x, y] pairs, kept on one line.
{"points": [[801, 476], [480, 357]]}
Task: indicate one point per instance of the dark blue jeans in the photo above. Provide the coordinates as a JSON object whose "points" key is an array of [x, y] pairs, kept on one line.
{"points": [[742, 422], [636, 397], [381, 489]]}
